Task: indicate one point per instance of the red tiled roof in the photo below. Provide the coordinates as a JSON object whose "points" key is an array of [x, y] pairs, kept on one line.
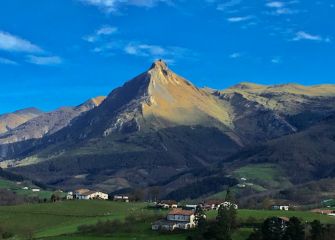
{"points": [[179, 211], [87, 193], [82, 190], [323, 211]]}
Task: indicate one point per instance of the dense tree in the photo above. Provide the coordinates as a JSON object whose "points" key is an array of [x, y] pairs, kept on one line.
{"points": [[273, 229], [256, 235], [230, 196], [55, 197], [329, 232], [225, 220], [317, 230], [294, 230], [200, 219]]}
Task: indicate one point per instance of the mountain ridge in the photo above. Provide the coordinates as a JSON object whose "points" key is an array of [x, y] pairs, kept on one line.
{"points": [[159, 126]]}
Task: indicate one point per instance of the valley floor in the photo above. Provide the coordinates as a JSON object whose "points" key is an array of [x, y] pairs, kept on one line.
{"points": [[60, 221]]}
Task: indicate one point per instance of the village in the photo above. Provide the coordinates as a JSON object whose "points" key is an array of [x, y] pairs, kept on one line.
{"points": [[160, 217], [179, 216]]}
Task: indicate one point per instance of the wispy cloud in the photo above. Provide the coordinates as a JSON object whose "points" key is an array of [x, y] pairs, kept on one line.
{"points": [[49, 60], [7, 61], [103, 31], [168, 53], [106, 46], [302, 35], [12, 43], [144, 50], [281, 8], [112, 6], [275, 4], [276, 60], [239, 19], [228, 4], [235, 55], [106, 30], [30, 52]]}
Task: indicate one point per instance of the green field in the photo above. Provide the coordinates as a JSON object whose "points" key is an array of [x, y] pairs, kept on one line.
{"points": [[59, 221], [263, 175], [17, 187]]}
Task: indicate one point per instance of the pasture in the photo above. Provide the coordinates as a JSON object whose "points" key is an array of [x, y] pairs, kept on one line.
{"points": [[59, 221]]}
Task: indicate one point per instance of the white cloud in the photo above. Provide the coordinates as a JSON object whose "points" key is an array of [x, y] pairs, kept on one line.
{"points": [[275, 4], [228, 4], [7, 61], [111, 6], [235, 55], [153, 52], [103, 31], [301, 35], [48, 60], [145, 50], [106, 30], [281, 8], [239, 19], [276, 60], [11, 43]]}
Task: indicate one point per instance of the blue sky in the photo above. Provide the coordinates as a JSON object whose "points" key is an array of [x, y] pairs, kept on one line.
{"points": [[61, 52]]}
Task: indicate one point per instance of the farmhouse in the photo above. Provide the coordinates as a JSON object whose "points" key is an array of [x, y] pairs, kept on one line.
{"points": [[280, 207], [120, 198], [176, 219], [167, 204], [69, 196], [324, 211], [216, 204], [192, 207], [86, 194]]}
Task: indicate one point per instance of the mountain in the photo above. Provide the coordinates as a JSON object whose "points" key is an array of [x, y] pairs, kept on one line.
{"points": [[159, 129], [153, 127], [47, 123], [12, 120], [262, 113], [155, 99], [306, 155]]}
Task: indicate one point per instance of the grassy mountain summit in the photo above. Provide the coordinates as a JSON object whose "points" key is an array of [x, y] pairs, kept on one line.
{"points": [[160, 129], [292, 88]]}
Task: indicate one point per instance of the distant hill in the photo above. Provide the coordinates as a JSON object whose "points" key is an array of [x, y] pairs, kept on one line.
{"points": [[159, 129], [47, 123], [12, 120]]}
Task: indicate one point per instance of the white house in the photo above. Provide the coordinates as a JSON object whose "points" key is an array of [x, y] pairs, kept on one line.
{"points": [[167, 204], [191, 207], [229, 204], [280, 207], [214, 204], [86, 194], [69, 196], [35, 190], [121, 198], [176, 219]]}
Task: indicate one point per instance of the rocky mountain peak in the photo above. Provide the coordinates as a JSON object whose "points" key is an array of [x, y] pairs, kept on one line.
{"points": [[159, 65]]}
